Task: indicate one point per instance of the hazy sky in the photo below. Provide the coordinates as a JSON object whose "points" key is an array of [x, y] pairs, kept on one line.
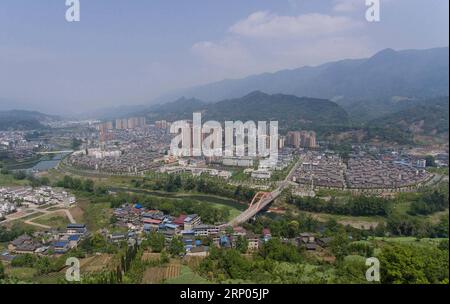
{"points": [[131, 51]]}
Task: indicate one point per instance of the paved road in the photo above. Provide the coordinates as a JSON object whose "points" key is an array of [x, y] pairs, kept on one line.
{"points": [[255, 208]]}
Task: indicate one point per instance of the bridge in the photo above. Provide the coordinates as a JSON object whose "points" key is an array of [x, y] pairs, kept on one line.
{"points": [[262, 200]]}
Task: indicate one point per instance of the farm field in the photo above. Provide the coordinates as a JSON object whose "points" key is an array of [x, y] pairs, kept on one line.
{"points": [[95, 263], [187, 276], [157, 275], [359, 222], [410, 240]]}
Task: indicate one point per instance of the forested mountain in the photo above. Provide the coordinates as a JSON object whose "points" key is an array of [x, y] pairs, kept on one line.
{"points": [[24, 120], [366, 88], [290, 111]]}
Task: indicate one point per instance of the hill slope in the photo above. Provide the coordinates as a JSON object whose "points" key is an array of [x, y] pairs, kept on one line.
{"points": [[372, 85], [24, 120], [288, 110], [426, 119]]}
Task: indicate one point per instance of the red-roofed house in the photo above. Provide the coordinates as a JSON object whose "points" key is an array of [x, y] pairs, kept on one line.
{"points": [[180, 220], [154, 224]]}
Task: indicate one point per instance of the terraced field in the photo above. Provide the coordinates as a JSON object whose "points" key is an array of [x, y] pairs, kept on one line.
{"points": [[156, 275]]}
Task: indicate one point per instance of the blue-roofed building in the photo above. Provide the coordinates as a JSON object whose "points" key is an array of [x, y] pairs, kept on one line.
{"points": [[188, 241], [188, 233], [225, 241], [138, 206], [171, 226], [61, 247], [74, 240]]}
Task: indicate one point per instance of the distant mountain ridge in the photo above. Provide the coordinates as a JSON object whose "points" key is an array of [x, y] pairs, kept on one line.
{"points": [[24, 120], [373, 82]]}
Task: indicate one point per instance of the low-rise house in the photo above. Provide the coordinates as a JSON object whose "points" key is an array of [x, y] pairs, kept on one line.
{"points": [[253, 242], [168, 232], [266, 234], [152, 223], [201, 251], [24, 244], [306, 237], [225, 241], [324, 242], [61, 247], [191, 220], [239, 231], [74, 240], [180, 220], [311, 246], [206, 230], [261, 174], [117, 237], [79, 229]]}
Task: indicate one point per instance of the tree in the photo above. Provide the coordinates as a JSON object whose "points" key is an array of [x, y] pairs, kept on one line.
{"points": [[76, 143], [293, 228], [429, 161], [413, 264], [156, 241], [2, 271], [340, 245], [20, 175], [164, 258], [274, 249], [241, 244], [88, 185], [176, 246]]}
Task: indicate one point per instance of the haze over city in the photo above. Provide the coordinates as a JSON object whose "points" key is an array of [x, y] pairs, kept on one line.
{"points": [[123, 53]]}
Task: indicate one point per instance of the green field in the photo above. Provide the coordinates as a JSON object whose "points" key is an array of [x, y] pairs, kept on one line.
{"points": [[21, 273], [187, 276], [58, 221], [217, 201], [411, 240], [9, 180], [96, 215]]}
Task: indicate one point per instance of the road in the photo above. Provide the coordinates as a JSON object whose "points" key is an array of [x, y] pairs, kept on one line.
{"points": [[39, 213], [257, 207]]}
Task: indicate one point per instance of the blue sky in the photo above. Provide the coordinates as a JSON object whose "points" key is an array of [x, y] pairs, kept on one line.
{"points": [[132, 51]]}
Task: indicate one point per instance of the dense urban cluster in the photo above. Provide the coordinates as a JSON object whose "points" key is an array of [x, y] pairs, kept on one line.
{"points": [[358, 172], [132, 151]]}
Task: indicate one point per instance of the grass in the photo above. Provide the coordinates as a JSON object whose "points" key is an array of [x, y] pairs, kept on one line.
{"points": [[240, 176], [50, 278], [354, 221], [54, 220], [20, 221], [21, 273], [3, 246], [95, 215], [442, 171], [8, 180], [187, 276], [411, 240]]}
